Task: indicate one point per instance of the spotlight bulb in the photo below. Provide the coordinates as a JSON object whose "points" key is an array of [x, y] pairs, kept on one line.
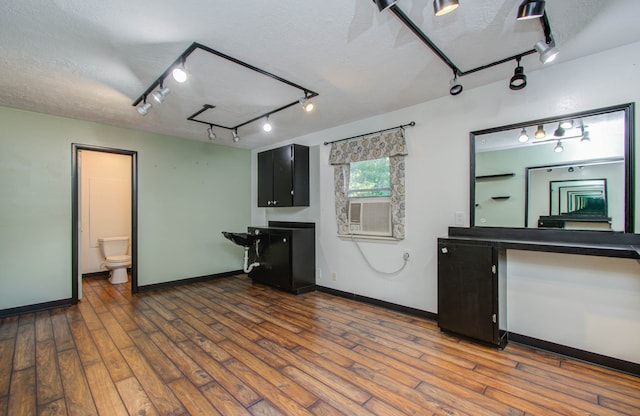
{"points": [[530, 9], [455, 87], [307, 104], [540, 133], [566, 124], [179, 74], [558, 148], [519, 79], [267, 126], [236, 139], [160, 95], [143, 109], [211, 133], [441, 7], [548, 51], [524, 137]]}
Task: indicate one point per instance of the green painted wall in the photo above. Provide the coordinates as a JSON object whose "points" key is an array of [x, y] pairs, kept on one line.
{"points": [[188, 193]]}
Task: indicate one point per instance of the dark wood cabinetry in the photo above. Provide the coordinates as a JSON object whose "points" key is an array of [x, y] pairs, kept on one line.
{"points": [[283, 177], [286, 253], [470, 288]]}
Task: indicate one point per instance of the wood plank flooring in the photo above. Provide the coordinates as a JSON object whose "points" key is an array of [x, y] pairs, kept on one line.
{"points": [[229, 347]]}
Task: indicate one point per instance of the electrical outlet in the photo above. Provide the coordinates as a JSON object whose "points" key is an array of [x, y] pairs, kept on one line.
{"points": [[334, 276], [460, 219]]}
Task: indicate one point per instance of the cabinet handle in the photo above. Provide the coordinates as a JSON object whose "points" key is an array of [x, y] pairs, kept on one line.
{"points": [[268, 202], [444, 250], [275, 202], [494, 318]]}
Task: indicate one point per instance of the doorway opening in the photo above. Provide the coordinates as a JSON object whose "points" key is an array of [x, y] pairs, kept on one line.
{"points": [[76, 221]]}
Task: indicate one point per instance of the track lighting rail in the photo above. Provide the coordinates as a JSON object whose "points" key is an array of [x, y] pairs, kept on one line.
{"points": [[413, 123], [195, 46], [544, 22], [179, 64]]}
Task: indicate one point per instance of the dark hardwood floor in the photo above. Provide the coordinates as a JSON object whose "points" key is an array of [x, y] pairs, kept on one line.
{"points": [[229, 347]]}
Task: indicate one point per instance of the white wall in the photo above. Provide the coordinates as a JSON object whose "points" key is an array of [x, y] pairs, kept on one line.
{"points": [[437, 182]]}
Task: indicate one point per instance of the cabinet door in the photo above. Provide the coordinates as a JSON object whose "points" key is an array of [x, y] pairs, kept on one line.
{"points": [[467, 291], [282, 176], [280, 261], [275, 260], [265, 178]]}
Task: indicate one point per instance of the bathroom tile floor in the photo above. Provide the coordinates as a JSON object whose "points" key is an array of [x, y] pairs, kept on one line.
{"points": [[230, 347]]}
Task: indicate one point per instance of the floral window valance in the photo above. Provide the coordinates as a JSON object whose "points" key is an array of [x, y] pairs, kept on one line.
{"points": [[386, 144], [389, 144]]}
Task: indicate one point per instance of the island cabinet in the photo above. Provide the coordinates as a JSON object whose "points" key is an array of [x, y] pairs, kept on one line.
{"points": [[283, 177], [472, 290]]}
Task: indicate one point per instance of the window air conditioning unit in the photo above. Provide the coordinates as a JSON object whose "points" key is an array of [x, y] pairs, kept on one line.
{"points": [[370, 216]]}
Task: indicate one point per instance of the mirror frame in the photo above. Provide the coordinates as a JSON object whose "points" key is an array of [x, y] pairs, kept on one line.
{"points": [[629, 162]]}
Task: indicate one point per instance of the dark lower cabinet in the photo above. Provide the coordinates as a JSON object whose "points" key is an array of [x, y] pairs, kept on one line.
{"points": [[287, 257], [471, 291]]}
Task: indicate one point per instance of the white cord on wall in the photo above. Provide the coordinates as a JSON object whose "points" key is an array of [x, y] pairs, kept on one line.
{"points": [[405, 258]]}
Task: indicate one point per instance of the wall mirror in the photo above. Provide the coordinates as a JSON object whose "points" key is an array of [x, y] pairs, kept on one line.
{"points": [[571, 172]]}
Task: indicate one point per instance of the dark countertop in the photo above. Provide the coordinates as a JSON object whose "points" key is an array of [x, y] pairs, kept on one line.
{"points": [[589, 243]]}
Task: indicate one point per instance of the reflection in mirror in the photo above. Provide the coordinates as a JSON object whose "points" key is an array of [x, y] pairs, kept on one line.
{"points": [[584, 196], [568, 172]]}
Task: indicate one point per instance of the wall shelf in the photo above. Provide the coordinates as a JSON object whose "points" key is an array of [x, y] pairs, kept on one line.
{"points": [[498, 176]]}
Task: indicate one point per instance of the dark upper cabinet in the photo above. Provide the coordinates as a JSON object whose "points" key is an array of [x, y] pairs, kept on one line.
{"points": [[283, 177], [469, 295]]}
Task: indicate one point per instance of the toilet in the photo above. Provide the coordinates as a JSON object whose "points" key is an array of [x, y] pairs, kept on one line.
{"points": [[114, 250]]}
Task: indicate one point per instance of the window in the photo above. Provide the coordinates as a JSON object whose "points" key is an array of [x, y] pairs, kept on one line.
{"points": [[369, 178], [369, 183]]}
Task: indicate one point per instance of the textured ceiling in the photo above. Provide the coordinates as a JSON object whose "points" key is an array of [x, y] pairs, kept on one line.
{"points": [[91, 60]]}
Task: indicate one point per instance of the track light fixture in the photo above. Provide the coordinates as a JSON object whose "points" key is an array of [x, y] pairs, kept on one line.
{"points": [[210, 133], [524, 137], [530, 9], [519, 79], [559, 131], [566, 124], [179, 73], [548, 51], [455, 87], [144, 107], [441, 7], [267, 125], [307, 104], [234, 133], [161, 94], [559, 148], [540, 133], [585, 133], [384, 4]]}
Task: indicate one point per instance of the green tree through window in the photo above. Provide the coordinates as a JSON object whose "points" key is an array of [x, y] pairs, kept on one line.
{"points": [[369, 178]]}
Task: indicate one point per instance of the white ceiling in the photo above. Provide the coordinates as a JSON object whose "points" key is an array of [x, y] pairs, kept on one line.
{"points": [[89, 59]]}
